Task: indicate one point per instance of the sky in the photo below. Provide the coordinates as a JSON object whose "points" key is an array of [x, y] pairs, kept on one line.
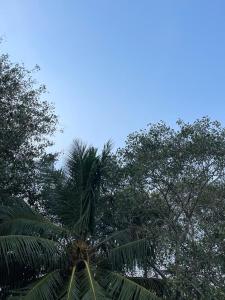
{"points": [[114, 66]]}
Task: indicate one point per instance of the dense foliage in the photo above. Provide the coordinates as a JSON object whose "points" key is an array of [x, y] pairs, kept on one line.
{"points": [[173, 184], [26, 123], [146, 222], [67, 259]]}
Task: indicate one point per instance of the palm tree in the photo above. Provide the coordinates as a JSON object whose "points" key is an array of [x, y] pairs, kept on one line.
{"points": [[62, 257]]}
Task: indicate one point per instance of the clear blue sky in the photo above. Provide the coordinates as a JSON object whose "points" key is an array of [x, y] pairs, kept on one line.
{"points": [[113, 66]]}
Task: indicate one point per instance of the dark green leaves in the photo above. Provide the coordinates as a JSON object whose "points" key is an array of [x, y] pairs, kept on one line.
{"points": [[28, 250], [26, 124], [24, 220], [122, 288], [45, 288], [77, 197], [132, 254]]}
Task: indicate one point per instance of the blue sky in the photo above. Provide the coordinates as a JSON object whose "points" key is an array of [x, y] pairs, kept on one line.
{"points": [[113, 66]]}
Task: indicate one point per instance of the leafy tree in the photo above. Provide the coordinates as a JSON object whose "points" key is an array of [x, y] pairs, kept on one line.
{"points": [[26, 123], [70, 259], [173, 182]]}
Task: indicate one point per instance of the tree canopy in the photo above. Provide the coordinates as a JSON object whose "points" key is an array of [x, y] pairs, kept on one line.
{"points": [[27, 121], [68, 260], [145, 222], [172, 183]]}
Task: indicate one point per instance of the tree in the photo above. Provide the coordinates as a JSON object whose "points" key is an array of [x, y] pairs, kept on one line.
{"points": [[70, 259], [174, 185], [26, 123]]}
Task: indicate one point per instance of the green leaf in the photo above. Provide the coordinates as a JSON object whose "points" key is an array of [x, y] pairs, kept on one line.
{"points": [[43, 289], [159, 286], [31, 250], [122, 288], [131, 254], [91, 281], [71, 291], [115, 238], [18, 221], [77, 198], [90, 289]]}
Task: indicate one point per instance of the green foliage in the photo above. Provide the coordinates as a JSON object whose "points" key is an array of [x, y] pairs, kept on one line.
{"points": [[25, 220], [45, 288], [27, 249], [72, 291], [144, 223], [120, 287], [68, 260], [131, 254], [26, 121], [77, 192], [173, 183]]}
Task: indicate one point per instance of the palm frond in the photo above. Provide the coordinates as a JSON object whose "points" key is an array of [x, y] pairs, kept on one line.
{"points": [[84, 171], [72, 292], [105, 155], [90, 288], [118, 237], [122, 288], [159, 286], [82, 285], [34, 251], [131, 254], [18, 221], [91, 281], [44, 289]]}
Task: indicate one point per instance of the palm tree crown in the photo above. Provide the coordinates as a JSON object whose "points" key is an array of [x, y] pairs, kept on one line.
{"points": [[62, 257]]}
